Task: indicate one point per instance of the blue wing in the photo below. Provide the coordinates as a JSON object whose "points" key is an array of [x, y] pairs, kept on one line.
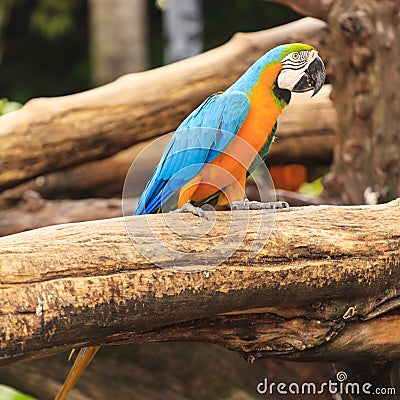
{"points": [[201, 137]]}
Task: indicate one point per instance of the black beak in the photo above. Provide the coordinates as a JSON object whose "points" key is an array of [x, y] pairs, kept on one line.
{"points": [[313, 78]]}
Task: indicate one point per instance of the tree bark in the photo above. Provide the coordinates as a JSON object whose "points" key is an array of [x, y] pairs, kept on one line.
{"points": [[51, 134], [306, 135], [324, 287]]}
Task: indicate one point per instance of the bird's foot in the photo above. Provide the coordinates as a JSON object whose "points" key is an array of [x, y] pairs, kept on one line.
{"points": [[190, 208], [257, 205]]}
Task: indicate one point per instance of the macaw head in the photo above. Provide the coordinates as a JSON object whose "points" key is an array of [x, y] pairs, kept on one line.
{"points": [[287, 68], [302, 69]]}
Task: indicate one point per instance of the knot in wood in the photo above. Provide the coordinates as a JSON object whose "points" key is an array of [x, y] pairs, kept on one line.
{"points": [[363, 106], [360, 57], [391, 159], [330, 181], [362, 83], [32, 201], [352, 148], [355, 26], [351, 311]]}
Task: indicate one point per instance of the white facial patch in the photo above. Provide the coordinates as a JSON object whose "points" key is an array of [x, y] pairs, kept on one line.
{"points": [[293, 67]]}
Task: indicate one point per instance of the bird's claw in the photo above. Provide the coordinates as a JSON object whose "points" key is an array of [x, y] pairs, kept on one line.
{"points": [[190, 208], [257, 205]]}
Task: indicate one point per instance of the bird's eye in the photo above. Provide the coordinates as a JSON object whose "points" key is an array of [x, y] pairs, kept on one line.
{"points": [[295, 56]]}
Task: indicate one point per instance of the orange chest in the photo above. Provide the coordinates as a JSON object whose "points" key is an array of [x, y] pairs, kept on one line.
{"points": [[249, 140], [251, 136], [259, 124], [263, 110]]}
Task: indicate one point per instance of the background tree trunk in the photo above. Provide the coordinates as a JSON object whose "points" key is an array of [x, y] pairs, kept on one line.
{"points": [[118, 38], [183, 28], [34, 212]]}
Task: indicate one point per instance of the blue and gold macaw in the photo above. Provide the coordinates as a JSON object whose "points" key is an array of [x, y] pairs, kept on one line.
{"points": [[214, 148]]}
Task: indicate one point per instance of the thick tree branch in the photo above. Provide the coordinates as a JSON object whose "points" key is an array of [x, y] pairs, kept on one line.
{"points": [[313, 8], [50, 134], [323, 287]]}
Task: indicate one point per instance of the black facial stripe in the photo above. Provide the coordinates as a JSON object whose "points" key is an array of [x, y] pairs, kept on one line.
{"points": [[289, 62], [281, 94], [294, 69]]}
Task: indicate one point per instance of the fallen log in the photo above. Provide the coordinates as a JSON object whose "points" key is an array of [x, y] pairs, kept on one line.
{"points": [[103, 178], [51, 134], [324, 286], [306, 135], [35, 212]]}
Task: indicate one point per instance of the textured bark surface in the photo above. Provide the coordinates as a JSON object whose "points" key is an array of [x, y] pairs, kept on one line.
{"points": [[305, 134], [50, 134], [324, 286]]}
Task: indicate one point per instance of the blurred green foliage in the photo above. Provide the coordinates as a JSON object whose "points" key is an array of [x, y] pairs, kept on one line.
{"points": [[313, 189], [45, 43], [7, 393], [7, 106], [53, 18], [5, 11], [45, 48]]}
